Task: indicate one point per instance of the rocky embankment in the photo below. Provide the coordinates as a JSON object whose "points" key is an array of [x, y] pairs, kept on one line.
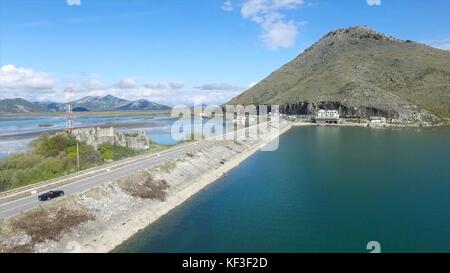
{"points": [[402, 113], [103, 217], [361, 73]]}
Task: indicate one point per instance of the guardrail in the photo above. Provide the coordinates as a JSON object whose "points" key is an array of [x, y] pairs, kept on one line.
{"points": [[25, 191]]}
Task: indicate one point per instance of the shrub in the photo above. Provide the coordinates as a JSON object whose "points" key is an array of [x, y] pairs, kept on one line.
{"points": [[51, 146], [115, 152], [53, 156], [108, 155], [88, 156], [50, 157]]}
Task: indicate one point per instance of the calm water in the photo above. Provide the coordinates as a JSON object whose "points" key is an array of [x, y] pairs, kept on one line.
{"points": [[325, 190], [158, 128]]}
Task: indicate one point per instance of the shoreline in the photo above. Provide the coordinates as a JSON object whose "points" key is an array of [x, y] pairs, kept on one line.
{"points": [[120, 216], [88, 114], [113, 214], [372, 125], [118, 125], [119, 235]]}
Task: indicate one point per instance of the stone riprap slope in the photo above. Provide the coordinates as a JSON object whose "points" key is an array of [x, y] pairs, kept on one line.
{"points": [[101, 218]]}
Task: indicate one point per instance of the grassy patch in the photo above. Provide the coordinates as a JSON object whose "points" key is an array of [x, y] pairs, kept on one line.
{"points": [[440, 112], [49, 157], [54, 156], [45, 125], [115, 152]]}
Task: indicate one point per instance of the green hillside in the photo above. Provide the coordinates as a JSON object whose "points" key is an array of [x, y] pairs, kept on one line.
{"points": [[361, 72]]}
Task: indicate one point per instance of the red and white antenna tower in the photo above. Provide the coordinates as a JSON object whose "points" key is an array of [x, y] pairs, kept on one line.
{"points": [[69, 122]]}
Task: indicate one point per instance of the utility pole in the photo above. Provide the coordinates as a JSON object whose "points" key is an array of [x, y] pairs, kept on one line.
{"points": [[78, 157], [69, 122]]}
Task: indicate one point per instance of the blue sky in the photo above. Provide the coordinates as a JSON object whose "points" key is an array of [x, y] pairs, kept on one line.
{"points": [[181, 51]]}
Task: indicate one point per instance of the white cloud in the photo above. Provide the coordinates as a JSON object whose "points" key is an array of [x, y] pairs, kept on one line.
{"points": [[164, 85], [280, 34], [128, 88], [190, 97], [227, 6], [40, 86], [374, 2], [18, 79], [439, 43], [73, 2], [443, 46], [218, 86], [250, 85], [164, 92], [277, 32], [211, 93], [127, 83], [198, 99], [87, 85]]}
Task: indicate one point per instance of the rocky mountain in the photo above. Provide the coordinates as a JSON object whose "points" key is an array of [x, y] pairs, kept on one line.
{"points": [[91, 103], [95, 103], [19, 106], [52, 106], [361, 73], [141, 105]]}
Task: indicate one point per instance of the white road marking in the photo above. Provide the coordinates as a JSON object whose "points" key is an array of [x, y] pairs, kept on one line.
{"points": [[130, 165]]}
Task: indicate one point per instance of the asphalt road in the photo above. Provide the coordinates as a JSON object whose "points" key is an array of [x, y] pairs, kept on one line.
{"points": [[12, 208], [19, 205]]}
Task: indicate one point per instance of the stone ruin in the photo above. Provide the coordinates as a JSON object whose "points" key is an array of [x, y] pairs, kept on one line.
{"points": [[97, 136]]}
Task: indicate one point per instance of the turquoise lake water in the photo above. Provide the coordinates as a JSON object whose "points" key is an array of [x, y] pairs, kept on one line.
{"points": [[326, 189]]}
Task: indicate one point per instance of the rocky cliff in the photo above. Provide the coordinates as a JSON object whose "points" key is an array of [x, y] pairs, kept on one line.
{"points": [[361, 73]]}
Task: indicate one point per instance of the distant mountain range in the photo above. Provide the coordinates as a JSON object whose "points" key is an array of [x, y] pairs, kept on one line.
{"points": [[361, 73], [20, 106], [90, 103]]}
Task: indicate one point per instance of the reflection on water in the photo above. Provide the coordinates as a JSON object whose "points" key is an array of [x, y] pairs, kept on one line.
{"points": [[157, 128], [163, 138], [10, 124], [326, 189]]}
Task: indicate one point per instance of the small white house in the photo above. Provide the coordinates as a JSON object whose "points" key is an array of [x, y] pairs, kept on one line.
{"points": [[327, 116], [321, 114], [377, 120], [333, 114]]}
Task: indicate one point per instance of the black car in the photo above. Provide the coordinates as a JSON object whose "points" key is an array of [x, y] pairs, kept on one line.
{"points": [[50, 195]]}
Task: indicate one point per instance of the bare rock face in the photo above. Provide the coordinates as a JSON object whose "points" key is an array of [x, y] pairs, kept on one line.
{"points": [[361, 72]]}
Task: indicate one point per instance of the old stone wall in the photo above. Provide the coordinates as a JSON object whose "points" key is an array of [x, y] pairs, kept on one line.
{"points": [[97, 136]]}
